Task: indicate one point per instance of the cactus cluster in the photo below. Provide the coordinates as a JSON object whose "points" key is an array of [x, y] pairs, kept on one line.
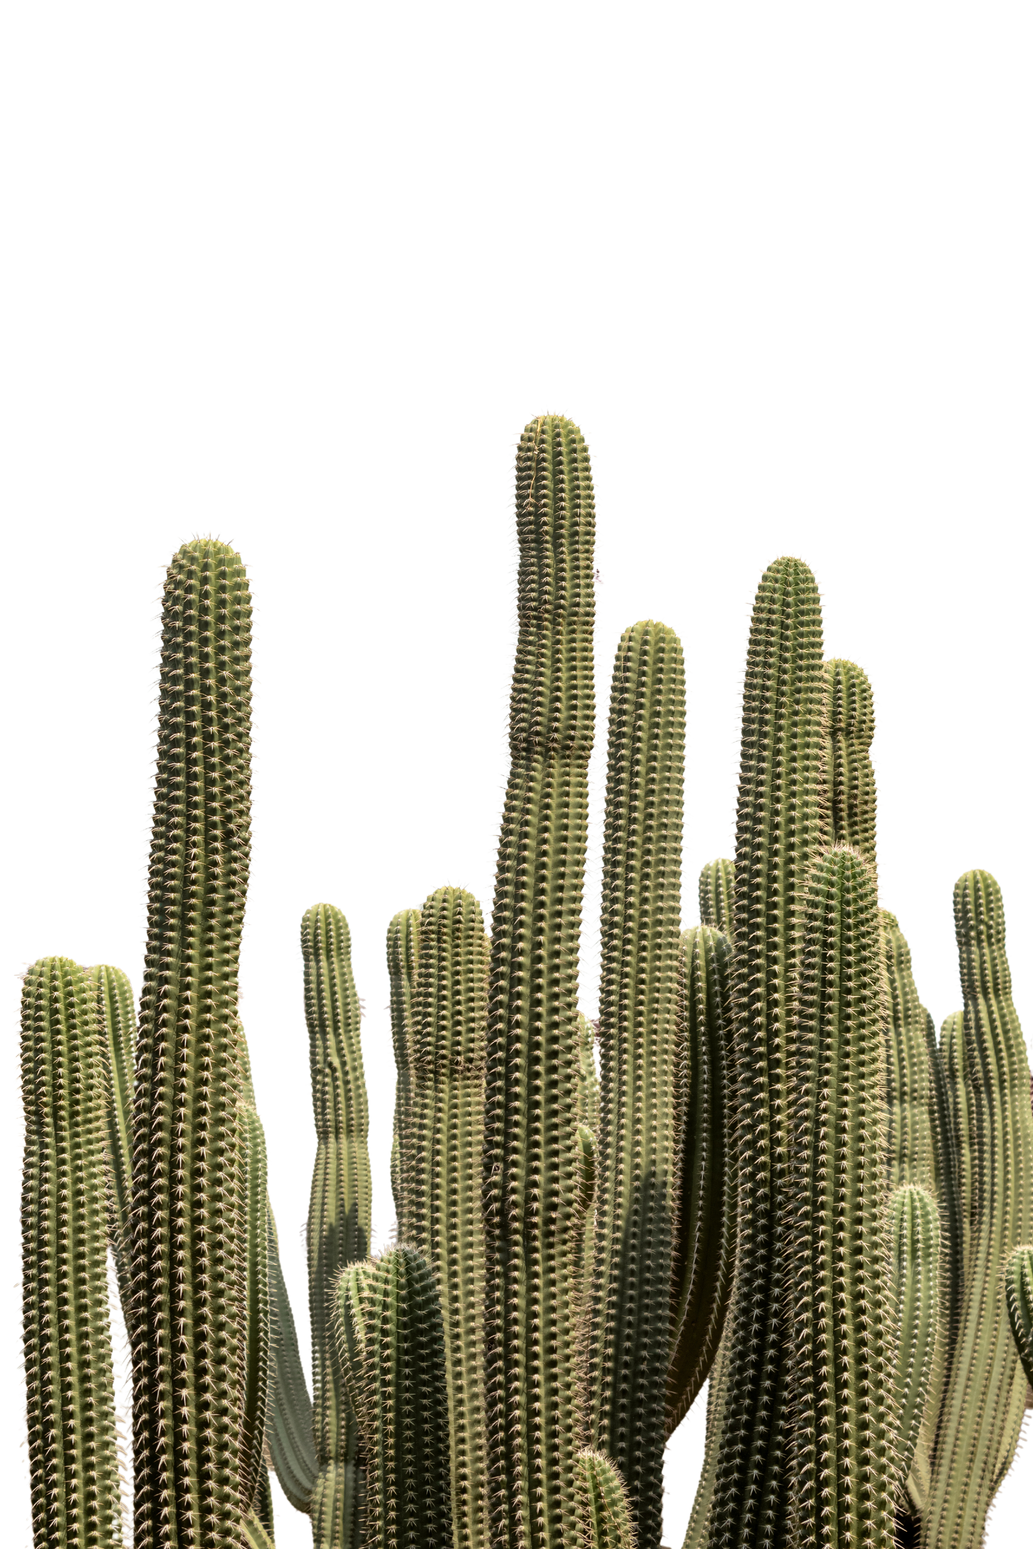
{"points": [[777, 1176]]}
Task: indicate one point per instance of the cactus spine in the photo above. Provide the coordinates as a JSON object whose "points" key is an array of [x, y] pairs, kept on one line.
{"points": [[603, 1512], [73, 1462], [985, 1390], [838, 1454], [339, 1209], [532, 1225], [443, 1144], [188, 1164], [704, 1240], [778, 833], [629, 1330]]}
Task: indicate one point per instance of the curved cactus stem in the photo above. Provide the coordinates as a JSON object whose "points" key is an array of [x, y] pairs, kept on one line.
{"points": [[838, 1455], [257, 1359], [915, 1240], [393, 1349], [704, 1242], [717, 895], [910, 1101], [114, 996], [257, 1534], [603, 1511], [403, 950], [848, 780], [289, 1432], [73, 1457], [532, 1231], [1019, 1291], [985, 1392], [339, 1210]]}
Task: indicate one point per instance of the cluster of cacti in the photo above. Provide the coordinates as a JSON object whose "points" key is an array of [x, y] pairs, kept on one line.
{"points": [[777, 1176]]}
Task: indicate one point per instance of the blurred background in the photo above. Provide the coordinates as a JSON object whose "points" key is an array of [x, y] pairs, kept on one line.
{"points": [[380, 555]]}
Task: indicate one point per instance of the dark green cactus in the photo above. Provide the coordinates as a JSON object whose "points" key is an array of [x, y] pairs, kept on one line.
{"points": [[289, 1431], [187, 1315], [604, 1518], [778, 834], [848, 780], [256, 1330], [403, 946], [532, 1224], [838, 1450], [73, 1460], [985, 1392], [442, 1146], [717, 895], [1019, 1292], [636, 1172], [117, 1014], [915, 1247], [392, 1344], [704, 1240], [339, 1209]]}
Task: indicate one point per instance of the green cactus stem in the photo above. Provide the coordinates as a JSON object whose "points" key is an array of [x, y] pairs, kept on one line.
{"points": [[838, 1456], [910, 1102], [778, 834], [289, 1432], [73, 1461], [588, 1083], [392, 1346], [532, 1228], [257, 1363], [1019, 1294], [848, 778], [985, 1393], [915, 1246], [114, 996], [403, 946], [339, 1208], [629, 1331], [717, 895], [443, 1144], [187, 1317], [704, 1241], [604, 1518]]}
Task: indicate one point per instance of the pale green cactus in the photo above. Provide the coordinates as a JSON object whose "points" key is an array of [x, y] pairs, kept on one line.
{"points": [[403, 945], [717, 895], [604, 1519], [914, 1232], [1019, 1291]]}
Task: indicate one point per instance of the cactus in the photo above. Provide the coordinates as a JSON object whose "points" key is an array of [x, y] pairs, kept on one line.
{"points": [[778, 834], [848, 782], [73, 1462], [838, 1450], [717, 895], [289, 1430], [403, 944], [1019, 1291], [985, 1391], [114, 998], [636, 1198], [188, 1163], [915, 1240], [532, 1230], [704, 1240], [339, 1209], [603, 1512], [442, 1145], [909, 1096], [392, 1343]]}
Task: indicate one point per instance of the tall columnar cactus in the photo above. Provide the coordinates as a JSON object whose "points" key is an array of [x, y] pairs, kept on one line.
{"points": [[604, 1519], [403, 946], [848, 779], [778, 834], [532, 1221], [985, 1392], [717, 895], [704, 1238], [339, 1208], [443, 1144], [188, 1165], [117, 1014], [915, 1250], [73, 1460], [636, 1170], [838, 1452], [289, 1430], [393, 1350]]}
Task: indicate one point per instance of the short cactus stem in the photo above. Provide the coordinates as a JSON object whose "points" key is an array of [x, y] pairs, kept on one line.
{"points": [[604, 1519], [848, 778], [717, 895]]}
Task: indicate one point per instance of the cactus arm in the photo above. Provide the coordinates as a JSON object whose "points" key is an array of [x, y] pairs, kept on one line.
{"points": [[1019, 1293], [444, 1149], [637, 1176], [915, 1242], [910, 1100], [403, 948], [588, 1083], [257, 1363], [289, 1432], [705, 1223], [985, 1390], [848, 780], [604, 1519], [114, 997], [339, 1208], [257, 1534], [530, 1171], [73, 1458], [717, 895]]}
